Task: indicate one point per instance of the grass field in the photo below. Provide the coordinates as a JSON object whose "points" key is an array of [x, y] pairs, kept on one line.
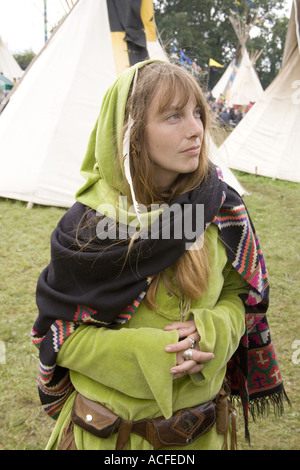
{"points": [[24, 252]]}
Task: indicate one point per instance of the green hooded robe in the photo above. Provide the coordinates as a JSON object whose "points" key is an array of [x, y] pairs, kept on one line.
{"points": [[126, 368]]}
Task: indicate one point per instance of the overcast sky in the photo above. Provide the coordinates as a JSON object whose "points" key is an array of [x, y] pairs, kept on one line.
{"points": [[22, 22]]}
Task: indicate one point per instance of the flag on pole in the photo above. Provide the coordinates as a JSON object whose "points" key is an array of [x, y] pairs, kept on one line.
{"points": [[213, 63]]}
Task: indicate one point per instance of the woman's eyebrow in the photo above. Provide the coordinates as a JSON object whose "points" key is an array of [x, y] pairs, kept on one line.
{"points": [[176, 107], [170, 108]]}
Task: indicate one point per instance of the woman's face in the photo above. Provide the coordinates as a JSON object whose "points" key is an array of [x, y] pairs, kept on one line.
{"points": [[174, 137]]}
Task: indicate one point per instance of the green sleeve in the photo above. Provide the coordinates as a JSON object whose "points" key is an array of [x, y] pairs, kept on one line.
{"points": [[222, 326], [132, 361]]}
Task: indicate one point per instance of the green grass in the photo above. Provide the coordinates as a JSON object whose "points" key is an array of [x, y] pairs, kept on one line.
{"points": [[273, 206], [24, 252]]}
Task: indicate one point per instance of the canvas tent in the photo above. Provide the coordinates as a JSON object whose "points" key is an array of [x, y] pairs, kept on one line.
{"points": [[266, 141], [9, 67], [240, 83], [45, 127]]}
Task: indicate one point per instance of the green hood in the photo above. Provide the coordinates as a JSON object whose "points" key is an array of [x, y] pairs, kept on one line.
{"points": [[98, 167]]}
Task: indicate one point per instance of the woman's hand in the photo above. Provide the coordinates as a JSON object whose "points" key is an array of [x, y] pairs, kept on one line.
{"points": [[186, 330]]}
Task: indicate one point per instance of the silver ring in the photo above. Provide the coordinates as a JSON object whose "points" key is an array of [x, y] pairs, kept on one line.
{"points": [[193, 342], [188, 355]]}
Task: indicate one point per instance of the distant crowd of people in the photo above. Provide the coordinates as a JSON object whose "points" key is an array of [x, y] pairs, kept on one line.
{"points": [[226, 115]]}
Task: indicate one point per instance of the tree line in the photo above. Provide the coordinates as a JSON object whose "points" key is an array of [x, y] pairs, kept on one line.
{"points": [[202, 29]]}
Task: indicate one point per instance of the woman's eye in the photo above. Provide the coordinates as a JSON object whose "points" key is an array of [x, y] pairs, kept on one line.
{"points": [[198, 113], [173, 117]]}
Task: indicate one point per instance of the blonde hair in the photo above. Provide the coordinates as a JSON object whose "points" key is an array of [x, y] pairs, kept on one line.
{"points": [[192, 269]]}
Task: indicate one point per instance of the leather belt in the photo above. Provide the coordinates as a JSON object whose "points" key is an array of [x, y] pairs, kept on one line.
{"points": [[181, 429]]}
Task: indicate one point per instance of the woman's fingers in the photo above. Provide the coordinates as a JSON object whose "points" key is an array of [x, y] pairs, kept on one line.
{"points": [[187, 367], [197, 356], [189, 342], [180, 371], [190, 366], [184, 328], [194, 364]]}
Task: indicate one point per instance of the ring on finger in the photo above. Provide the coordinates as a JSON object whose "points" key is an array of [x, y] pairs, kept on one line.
{"points": [[193, 342], [188, 355]]}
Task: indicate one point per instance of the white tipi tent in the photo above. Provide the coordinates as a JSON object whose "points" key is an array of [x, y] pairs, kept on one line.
{"points": [[266, 141], [240, 83], [45, 127], [9, 67]]}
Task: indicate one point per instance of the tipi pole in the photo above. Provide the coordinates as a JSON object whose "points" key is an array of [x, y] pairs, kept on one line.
{"points": [[208, 77]]}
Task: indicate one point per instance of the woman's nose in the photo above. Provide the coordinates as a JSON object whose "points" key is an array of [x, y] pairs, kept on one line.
{"points": [[194, 127]]}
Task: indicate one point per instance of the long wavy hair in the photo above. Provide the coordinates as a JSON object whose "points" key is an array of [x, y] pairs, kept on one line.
{"points": [[191, 271]]}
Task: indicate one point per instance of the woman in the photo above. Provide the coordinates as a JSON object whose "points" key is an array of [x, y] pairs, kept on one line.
{"points": [[135, 321]]}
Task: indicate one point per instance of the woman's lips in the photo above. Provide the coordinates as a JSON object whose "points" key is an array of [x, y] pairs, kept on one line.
{"points": [[192, 150]]}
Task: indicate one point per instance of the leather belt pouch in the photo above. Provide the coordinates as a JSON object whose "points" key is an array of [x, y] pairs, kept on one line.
{"points": [[181, 429], [94, 417]]}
